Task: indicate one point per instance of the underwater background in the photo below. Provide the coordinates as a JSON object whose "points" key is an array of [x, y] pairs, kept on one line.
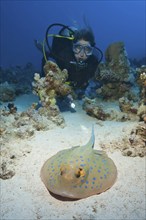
{"points": [[33, 129], [23, 21]]}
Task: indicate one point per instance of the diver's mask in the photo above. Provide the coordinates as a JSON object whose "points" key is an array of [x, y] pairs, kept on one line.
{"points": [[86, 48]]}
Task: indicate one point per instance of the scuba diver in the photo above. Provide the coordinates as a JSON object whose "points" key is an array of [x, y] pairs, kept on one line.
{"points": [[74, 50]]}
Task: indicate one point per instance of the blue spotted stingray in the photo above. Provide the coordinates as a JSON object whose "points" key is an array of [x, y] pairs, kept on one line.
{"points": [[79, 172]]}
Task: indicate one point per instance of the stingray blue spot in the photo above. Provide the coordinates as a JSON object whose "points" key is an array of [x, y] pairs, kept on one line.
{"points": [[93, 182], [104, 176], [86, 187], [76, 160], [87, 182], [88, 160], [94, 178], [91, 168], [53, 170], [82, 181], [99, 171], [81, 156], [82, 165]]}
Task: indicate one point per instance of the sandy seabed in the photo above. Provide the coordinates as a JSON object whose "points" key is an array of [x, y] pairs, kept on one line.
{"points": [[24, 196]]}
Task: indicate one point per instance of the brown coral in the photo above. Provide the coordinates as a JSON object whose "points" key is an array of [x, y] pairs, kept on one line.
{"points": [[52, 85], [115, 72]]}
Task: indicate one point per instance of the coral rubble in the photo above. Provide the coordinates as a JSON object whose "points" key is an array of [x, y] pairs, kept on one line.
{"points": [[132, 144], [25, 124]]}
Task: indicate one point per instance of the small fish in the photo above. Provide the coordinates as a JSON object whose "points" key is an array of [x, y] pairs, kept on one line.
{"points": [[79, 172]]}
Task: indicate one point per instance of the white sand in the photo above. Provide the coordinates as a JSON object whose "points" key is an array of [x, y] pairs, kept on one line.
{"points": [[24, 196]]}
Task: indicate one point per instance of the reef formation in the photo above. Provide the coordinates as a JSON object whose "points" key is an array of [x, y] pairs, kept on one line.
{"points": [[115, 73]]}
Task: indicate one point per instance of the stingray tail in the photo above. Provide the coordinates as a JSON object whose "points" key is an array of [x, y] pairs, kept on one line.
{"points": [[90, 143]]}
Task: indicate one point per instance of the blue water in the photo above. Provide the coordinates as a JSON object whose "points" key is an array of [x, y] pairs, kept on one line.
{"points": [[23, 21]]}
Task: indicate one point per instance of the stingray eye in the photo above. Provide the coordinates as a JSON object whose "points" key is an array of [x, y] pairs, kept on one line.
{"points": [[80, 173]]}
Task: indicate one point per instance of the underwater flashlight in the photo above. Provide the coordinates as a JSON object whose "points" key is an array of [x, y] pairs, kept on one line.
{"points": [[72, 105]]}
